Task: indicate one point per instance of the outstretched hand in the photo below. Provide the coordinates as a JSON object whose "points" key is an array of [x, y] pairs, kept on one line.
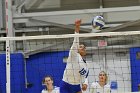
{"points": [[77, 25]]}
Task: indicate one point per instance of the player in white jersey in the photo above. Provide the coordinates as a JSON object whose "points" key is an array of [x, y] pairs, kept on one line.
{"points": [[50, 88], [76, 68], [101, 86]]}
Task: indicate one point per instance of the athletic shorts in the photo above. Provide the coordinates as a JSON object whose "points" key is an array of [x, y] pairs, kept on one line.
{"points": [[69, 88]]}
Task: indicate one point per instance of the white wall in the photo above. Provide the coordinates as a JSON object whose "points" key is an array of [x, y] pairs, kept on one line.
{"points": [[87, 17], [122, 16], [50, 4]]}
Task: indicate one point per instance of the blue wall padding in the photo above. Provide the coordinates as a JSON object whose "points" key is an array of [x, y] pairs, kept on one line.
{"points": [[135, 68], [43, 64], [2, 73], [38, 66], [17, 73]]}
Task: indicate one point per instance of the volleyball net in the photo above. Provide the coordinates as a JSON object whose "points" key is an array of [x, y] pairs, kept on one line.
{"points": [[30, 58]]}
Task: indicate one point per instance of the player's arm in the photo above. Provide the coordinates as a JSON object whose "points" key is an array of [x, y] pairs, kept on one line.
{"points": [[85, 84], [84, 73], [75, 45]]}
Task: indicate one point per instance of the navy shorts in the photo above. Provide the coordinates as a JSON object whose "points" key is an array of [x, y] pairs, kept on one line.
{"points": [[69, 88]]}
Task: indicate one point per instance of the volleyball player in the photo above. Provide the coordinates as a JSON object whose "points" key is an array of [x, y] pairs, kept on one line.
{"points": [[76, 67], [101, 86], [49, 87]]}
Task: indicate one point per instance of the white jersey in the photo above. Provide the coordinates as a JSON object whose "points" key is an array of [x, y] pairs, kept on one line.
{"points": [[96, 88], [55, 90], [76, 67]]}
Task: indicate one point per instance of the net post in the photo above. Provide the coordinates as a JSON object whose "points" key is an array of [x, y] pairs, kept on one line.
{"points": [[8, 87]]}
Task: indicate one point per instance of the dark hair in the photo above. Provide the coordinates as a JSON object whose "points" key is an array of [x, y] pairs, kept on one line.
{"points": [[48, 76], [82, 43]]}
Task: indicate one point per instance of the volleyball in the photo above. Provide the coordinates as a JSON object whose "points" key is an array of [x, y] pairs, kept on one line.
{"points": [[98, 22]]}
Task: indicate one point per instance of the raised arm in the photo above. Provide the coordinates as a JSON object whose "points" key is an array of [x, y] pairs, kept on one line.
{"points": [[75, 45], [77, 25]]}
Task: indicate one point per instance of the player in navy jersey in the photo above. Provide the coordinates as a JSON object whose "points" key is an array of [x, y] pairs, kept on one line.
{"points": [[76, 68]]}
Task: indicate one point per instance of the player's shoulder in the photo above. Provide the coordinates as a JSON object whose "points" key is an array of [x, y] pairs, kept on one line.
{"points": [[107, 85], [56, 87], [44, 91]]}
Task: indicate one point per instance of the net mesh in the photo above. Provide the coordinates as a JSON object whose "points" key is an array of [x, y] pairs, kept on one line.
{"points": [[32, 58]]}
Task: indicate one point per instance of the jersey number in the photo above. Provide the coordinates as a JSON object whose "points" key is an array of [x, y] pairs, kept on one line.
{"points": [[82, 72]]}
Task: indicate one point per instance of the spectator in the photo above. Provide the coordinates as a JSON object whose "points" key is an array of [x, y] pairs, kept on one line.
{"points": [[50, 88], [101, 86]]}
